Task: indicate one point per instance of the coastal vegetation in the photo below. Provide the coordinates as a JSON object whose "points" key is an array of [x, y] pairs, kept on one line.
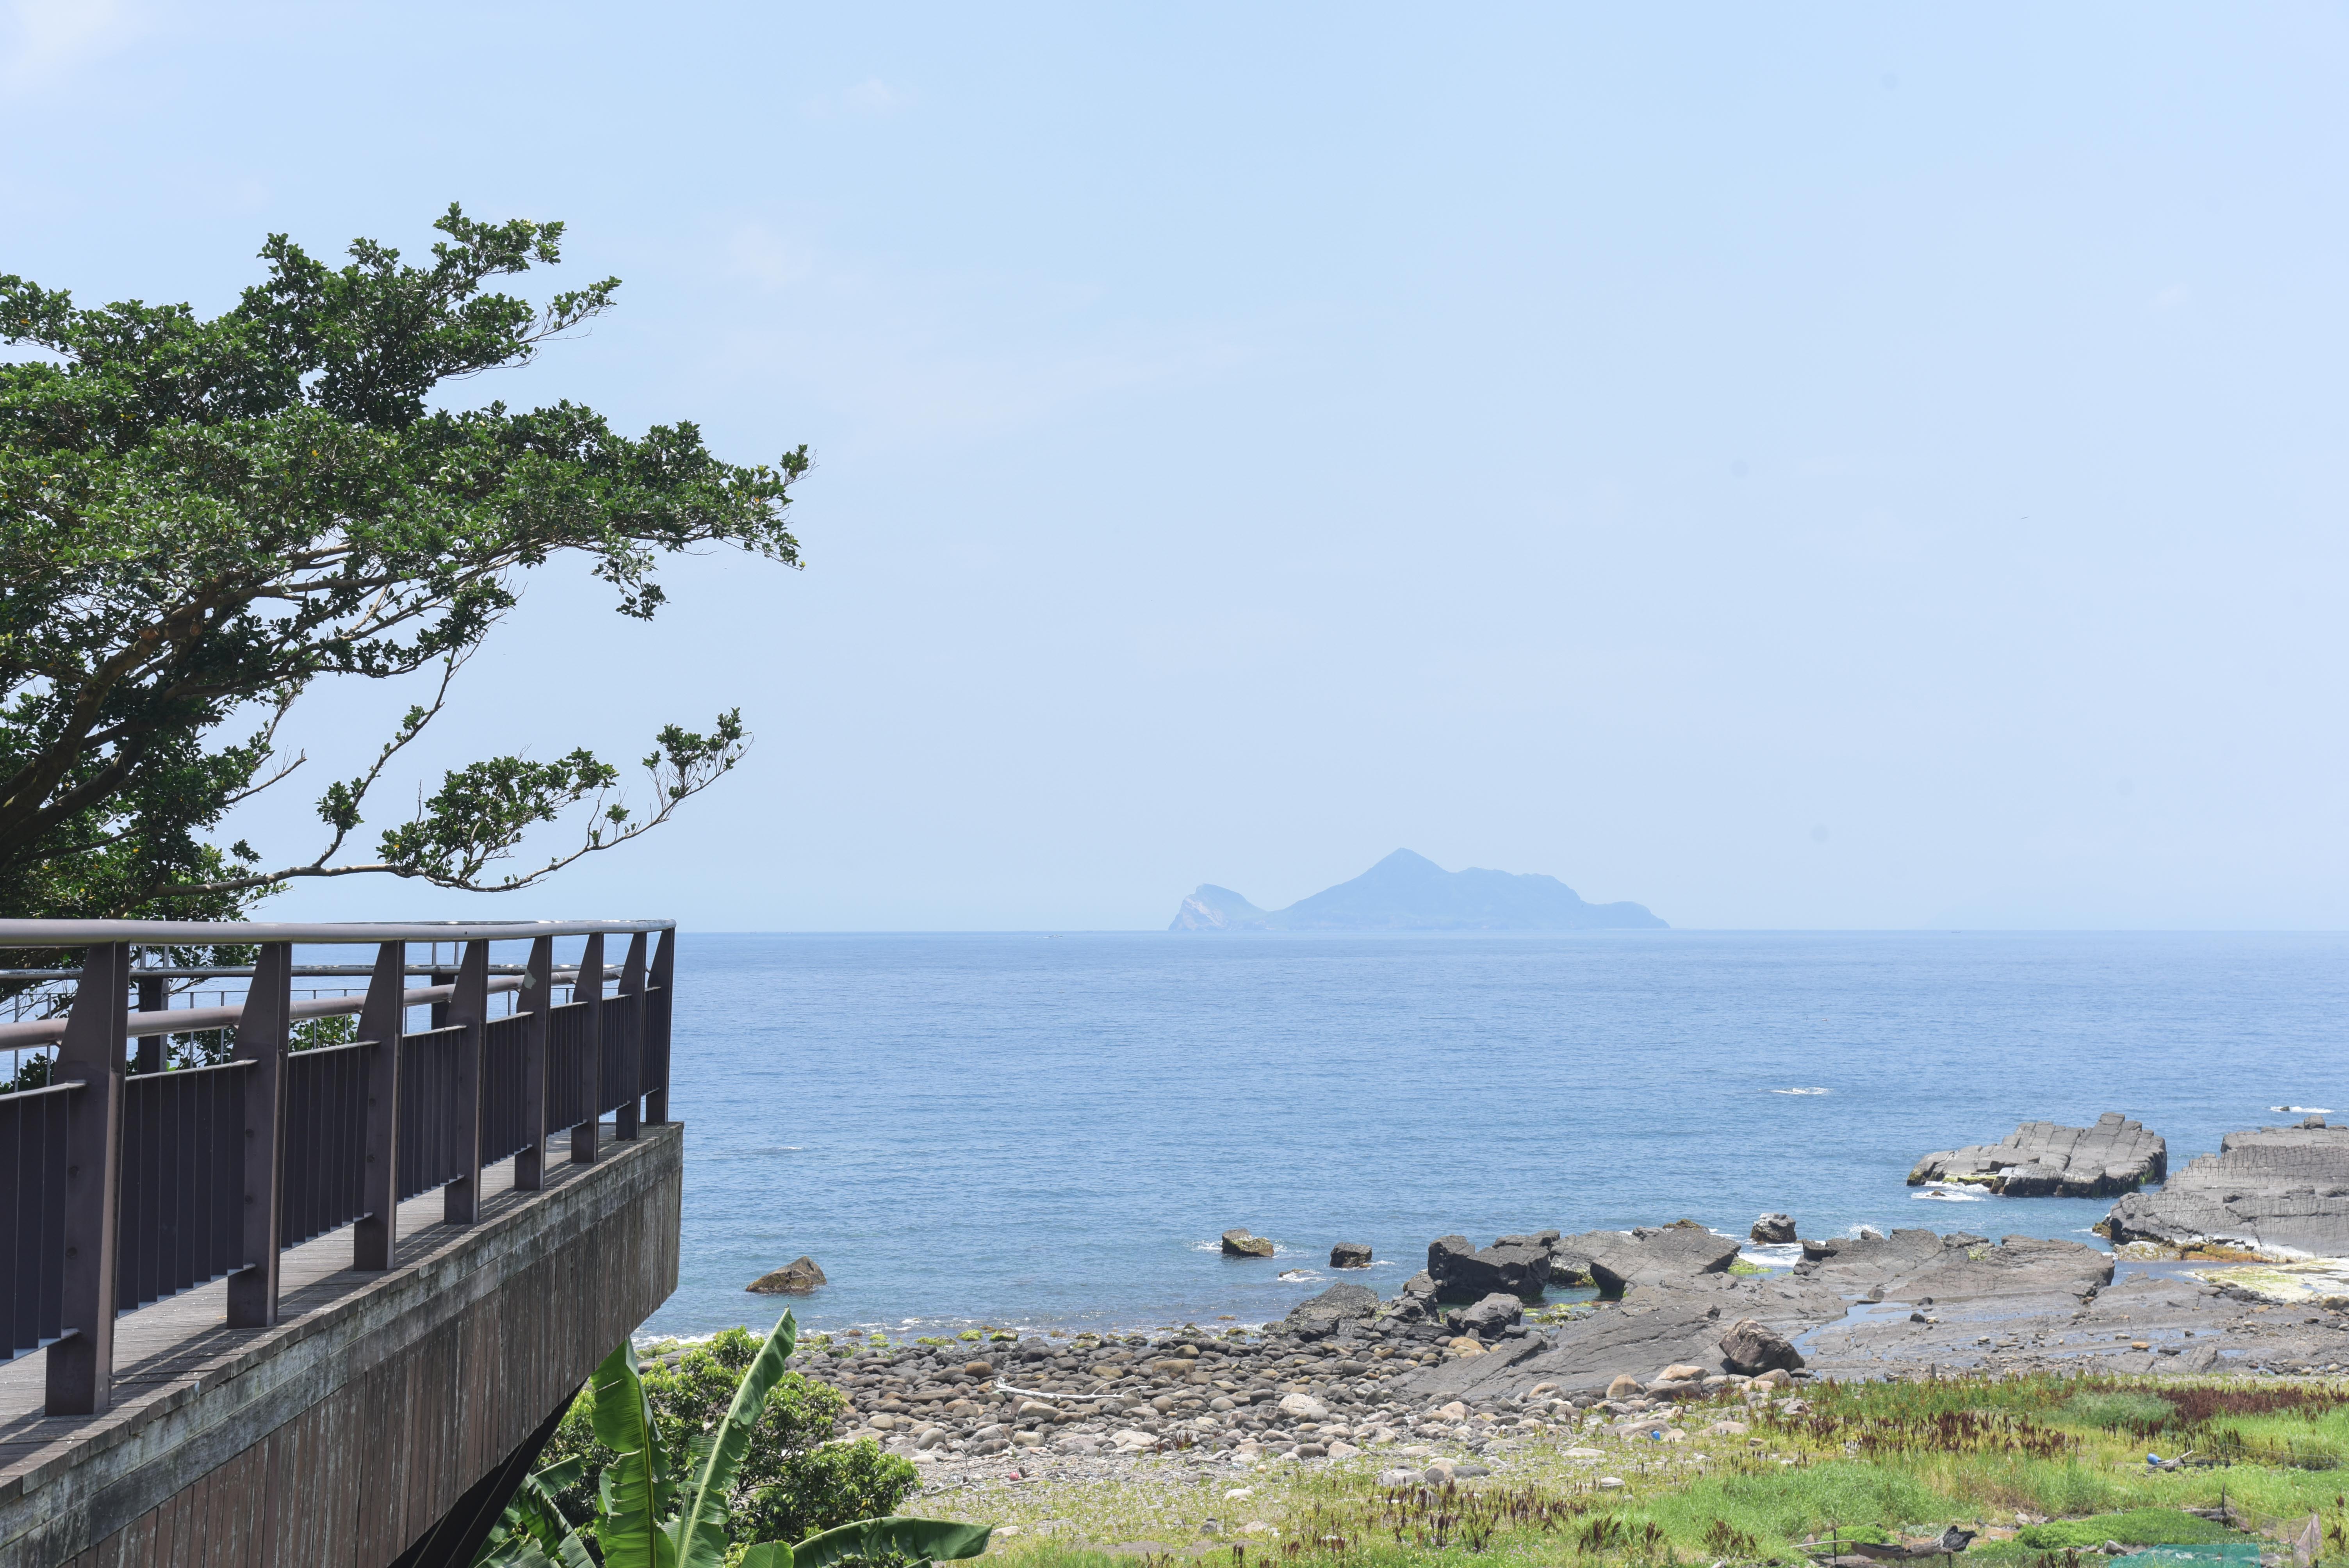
{"points": [[731, 1400], [715, 1460]]}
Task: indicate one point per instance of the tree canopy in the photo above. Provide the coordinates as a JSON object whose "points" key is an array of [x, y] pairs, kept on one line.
{"points": [[202, 518]]}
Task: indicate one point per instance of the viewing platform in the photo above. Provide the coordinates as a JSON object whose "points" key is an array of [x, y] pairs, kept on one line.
{"points": [[303, 1297]]}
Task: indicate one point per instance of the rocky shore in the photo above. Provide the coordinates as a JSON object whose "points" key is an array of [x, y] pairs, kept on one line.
{"points": [[2276, 1190], [1421, 1384]]}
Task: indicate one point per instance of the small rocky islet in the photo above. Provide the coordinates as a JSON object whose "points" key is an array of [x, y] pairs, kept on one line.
{"points": [[1469, 1360]]}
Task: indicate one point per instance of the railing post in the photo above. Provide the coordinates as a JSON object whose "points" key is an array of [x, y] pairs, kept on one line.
{"points": [[260, 1035], [374, 1240], [538, 990], [658, 1011], [80, 1371], [470, 1006], [632, 1051], [589, 988]]}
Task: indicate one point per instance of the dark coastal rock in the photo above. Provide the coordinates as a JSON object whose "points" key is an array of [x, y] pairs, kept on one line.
{"points": [[1416, 1302], [2267, 1189], [1655, 1327], [1325, 1313], [1773, 1228], [1463, 1272], [1491, 1316], [2047, 1160], [1241, 1244], [1753, 1347], [1350, 1256], [797, 1278], [1664, 1254]]}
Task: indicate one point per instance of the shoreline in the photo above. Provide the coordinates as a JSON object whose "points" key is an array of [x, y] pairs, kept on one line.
{"points": [[1347, 1380]]}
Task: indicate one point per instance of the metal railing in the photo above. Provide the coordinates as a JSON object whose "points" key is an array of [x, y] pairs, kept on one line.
{"points": [[123, 1187]]}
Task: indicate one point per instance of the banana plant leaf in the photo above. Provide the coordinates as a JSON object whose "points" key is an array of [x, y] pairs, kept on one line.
{"points": [[922, 1540], [700, 1530], [633, 1486], [534, 1531]]}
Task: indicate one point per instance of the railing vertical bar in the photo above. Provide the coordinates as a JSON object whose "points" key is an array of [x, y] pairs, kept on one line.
{"points": [[261, 1037], [462, 1200], [154, 996], [56, 1148], [80, 1370], [171, 1205], [656, 1017], [376, 1237], [12, 1248], [589, 988], [632, 1049], [538, 990]]}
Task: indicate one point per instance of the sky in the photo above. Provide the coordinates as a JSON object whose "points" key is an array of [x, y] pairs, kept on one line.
{"points": [[1823, 466]]}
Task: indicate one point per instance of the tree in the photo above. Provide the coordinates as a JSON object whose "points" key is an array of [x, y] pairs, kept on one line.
{"points": [[199, 519]]}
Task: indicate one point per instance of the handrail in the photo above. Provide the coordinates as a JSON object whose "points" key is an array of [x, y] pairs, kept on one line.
{"points": [[245, 971], [239, 933], [188, 1020], [230, 1066], [46, 1088]]}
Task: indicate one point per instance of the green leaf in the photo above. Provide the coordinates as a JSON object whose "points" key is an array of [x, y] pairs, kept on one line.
{"points": [[768, 1554], [631, 1535], [941, 1540], [701, 1531]]}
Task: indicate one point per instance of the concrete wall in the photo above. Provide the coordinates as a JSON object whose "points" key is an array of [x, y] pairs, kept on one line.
{"points": [[345, 1434]]}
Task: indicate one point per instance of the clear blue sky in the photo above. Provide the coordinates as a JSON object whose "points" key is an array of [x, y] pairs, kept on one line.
{"points": [[1792, 466]]}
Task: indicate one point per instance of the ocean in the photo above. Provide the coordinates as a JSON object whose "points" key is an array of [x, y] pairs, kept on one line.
{"points": [[1037, 1131]]}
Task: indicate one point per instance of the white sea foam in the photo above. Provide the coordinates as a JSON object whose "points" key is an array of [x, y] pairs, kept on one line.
{"points": [[1772, 1254], [1798, 1091], [1945, 1193], [1300, 1277], [2304, 1109]]}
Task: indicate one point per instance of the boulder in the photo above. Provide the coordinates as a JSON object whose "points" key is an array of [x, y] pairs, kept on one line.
{"points": [[1241, 1244], [1303, 1408], [1752, 1347], [2271, 1190], [2048, 1160], [1463, 1272], [1492, 1317], [1773, 1228], [1667, 1253], [1569, 1258], [1350, 1256], [1626, 1386], [797, 1278], [1325, 1313]]}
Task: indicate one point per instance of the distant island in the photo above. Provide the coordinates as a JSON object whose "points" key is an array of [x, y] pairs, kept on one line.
{"points": [[1411, 892]]}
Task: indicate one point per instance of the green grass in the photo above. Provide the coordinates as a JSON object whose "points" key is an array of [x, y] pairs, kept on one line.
{"points": [[2138, 1526], [1975, 1453], [2120, 1412]]}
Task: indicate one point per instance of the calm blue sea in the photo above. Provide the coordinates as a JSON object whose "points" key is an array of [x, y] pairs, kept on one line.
{"points": [[1038, 1131]]}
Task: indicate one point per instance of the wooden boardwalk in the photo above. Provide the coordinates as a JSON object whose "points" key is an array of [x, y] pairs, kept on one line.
{"points": [[464, 1346]]}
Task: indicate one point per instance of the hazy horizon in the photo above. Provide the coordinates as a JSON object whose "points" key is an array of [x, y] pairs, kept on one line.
{"points": [[1834, 469]]}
